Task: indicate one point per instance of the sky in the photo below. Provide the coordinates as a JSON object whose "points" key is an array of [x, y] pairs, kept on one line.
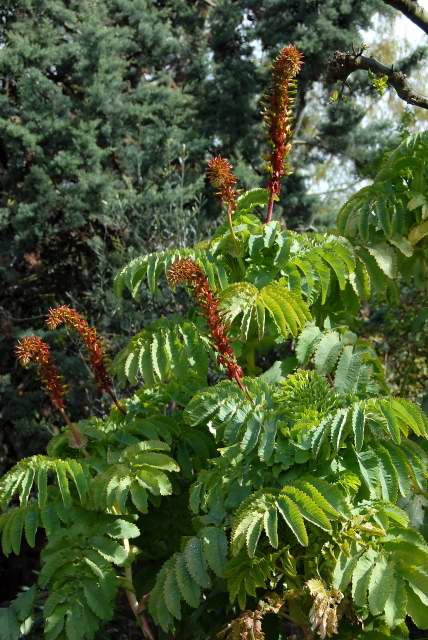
{"points": [[407, 29], [403, 29]]}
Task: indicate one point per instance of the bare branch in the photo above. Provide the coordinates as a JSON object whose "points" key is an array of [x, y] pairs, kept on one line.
{"points": [[412, 10], [343, 64]]}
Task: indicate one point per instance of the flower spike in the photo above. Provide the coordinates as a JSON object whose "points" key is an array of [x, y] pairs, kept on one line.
{"points": [[34, 349], [220, 175], [186, 271], [278, 117], [71, 318]]}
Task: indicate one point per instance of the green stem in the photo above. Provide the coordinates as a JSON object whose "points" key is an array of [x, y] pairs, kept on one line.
{"points": [[241, 264], [251, 360], [235, 239], [78, 440], [229, 218], [135, 606], [270, 207]]}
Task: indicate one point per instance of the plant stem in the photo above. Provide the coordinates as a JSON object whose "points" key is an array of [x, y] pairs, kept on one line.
{"points": [[132, 599], [241, 264], [244, 389], [113, 396], [229, 219], [78, 440], [251, 360], [270, 207]]}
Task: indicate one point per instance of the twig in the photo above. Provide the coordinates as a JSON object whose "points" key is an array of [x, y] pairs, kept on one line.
{"points": [[344, 63]]}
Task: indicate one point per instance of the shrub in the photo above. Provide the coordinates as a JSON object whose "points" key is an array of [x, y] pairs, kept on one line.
{"points": [[262, 480]]}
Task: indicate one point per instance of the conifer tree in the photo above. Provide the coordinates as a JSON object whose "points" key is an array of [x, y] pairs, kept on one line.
{"points": [[96, 125]]}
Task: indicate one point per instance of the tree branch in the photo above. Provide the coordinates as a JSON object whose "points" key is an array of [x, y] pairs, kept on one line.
{"points": [[412, 10], [343, 64]]}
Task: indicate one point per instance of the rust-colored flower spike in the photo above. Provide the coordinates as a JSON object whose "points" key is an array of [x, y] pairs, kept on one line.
{"points": [[34, 349], [186, 271], [278, 117], [220, 175], [71, 318]]}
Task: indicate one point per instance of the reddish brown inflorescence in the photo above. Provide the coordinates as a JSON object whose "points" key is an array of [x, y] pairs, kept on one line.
{"points": [[221, 177], [278, 116], [186, 271], [71, 318], [34, 349]]}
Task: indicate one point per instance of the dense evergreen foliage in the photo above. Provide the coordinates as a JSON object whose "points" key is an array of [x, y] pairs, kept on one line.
{"points": [[287, 499], [95, 130]]}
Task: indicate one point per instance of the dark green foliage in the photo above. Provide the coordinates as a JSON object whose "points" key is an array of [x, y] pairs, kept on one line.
{"points": [[158, 354], [17, 618], [94, 119], [401, 334], [185, 574]]}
